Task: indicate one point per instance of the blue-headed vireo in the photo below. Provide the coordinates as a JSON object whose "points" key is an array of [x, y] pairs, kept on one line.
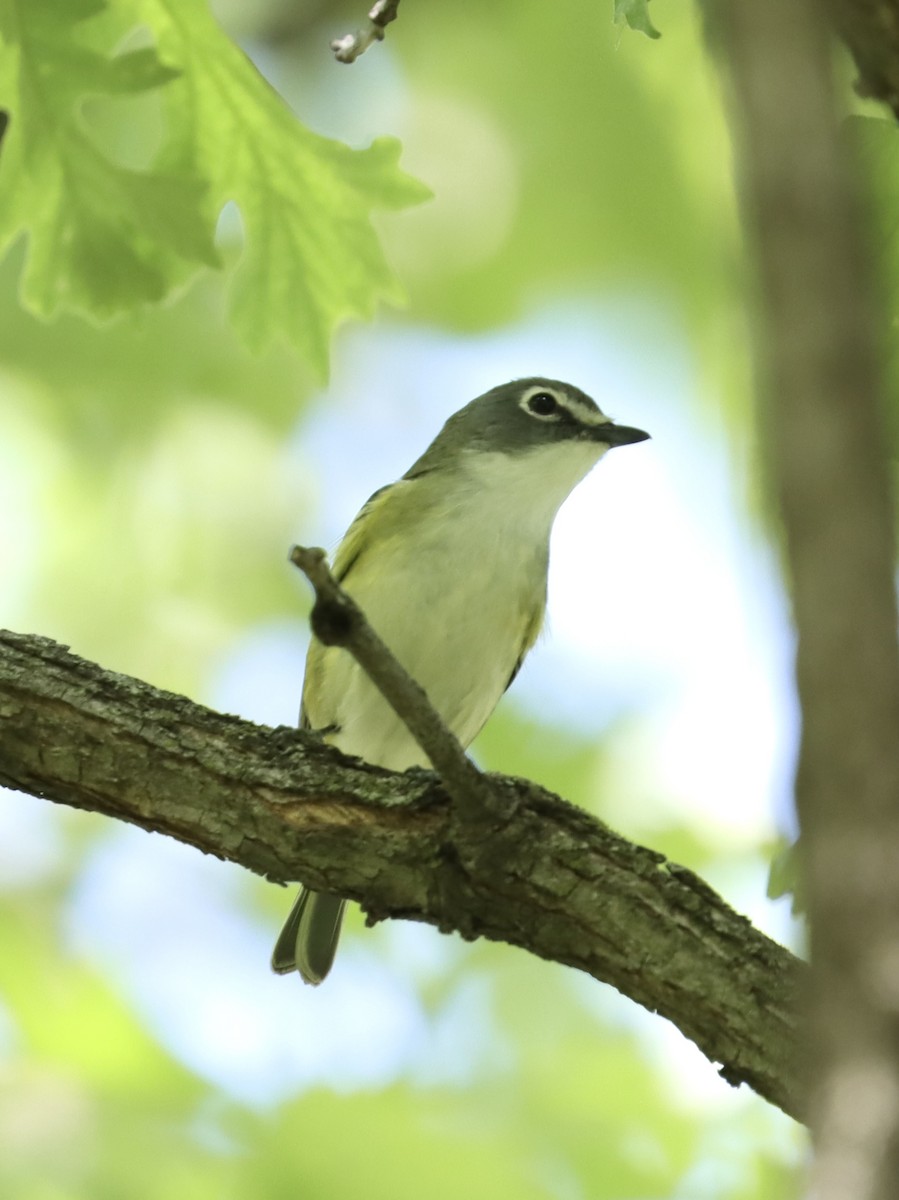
{"points": [[450, 565]]}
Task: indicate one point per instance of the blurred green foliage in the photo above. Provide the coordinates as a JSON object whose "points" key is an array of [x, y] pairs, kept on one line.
{"points": [[106, 236], [151, 480], [91, 1105]]}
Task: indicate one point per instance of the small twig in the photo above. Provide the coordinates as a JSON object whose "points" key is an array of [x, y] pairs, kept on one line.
{"points": [[337, 620], [348, 48]]}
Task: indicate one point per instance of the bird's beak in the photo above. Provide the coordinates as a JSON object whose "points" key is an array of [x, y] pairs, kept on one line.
{"points": [[617, 435]]}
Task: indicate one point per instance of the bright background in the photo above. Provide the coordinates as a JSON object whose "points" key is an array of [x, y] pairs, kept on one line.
{"points": [[152, 476]]}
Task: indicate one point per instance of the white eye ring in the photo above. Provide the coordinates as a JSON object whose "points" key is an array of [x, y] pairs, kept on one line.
{"points": [[542, 404]]}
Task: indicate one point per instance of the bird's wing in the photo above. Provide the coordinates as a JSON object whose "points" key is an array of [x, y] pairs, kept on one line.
{"points": [[347, 556], [531, 633], [350, 549]]}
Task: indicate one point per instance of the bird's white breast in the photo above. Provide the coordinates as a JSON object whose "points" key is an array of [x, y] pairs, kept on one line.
{"points": [[453, 594]]}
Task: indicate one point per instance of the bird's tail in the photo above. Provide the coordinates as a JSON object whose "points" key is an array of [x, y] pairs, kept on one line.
{"points": [[308, 941]]}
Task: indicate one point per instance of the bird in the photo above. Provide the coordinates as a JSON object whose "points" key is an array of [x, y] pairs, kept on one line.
{"points": [[450, 566]]}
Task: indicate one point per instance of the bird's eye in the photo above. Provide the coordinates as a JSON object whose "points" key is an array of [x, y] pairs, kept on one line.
{"points": [[543, 404]]}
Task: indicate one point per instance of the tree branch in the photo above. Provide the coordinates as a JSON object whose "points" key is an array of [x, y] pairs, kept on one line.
{"points": [[823, 422], [550, 879]]}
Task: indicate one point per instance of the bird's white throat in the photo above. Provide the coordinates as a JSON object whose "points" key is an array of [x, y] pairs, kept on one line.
{"points": [[528, 488]]}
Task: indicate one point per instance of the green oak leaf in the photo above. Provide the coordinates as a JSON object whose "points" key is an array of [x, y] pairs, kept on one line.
{"points": [[635, 13], [105, 238], [785, 877], [102, 237], [311, 256]]}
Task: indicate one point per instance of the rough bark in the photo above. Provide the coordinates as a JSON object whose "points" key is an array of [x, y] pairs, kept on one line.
{"points": [[548, 878], [823, 426]]}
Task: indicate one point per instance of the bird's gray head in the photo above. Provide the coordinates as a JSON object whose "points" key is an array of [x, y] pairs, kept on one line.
{"points": [[519, 419]]}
